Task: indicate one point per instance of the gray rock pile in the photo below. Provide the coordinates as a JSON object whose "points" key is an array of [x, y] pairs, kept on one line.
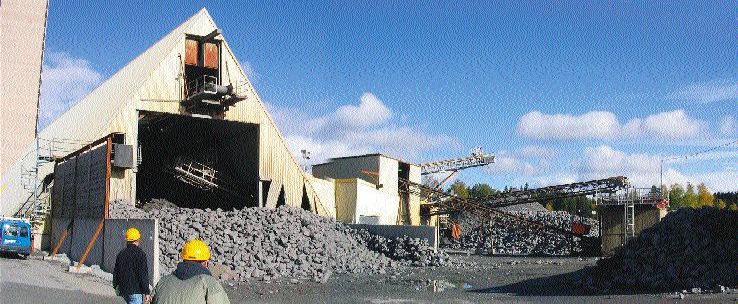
{"points": [[503, 235], [689, 248], [407, 250], [272, 243]]}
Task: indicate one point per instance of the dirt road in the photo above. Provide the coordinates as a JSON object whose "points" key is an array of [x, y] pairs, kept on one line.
{"points": [[37, 281], [489, 280]]}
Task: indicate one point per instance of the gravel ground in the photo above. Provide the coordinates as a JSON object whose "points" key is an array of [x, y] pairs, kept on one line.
{"points": [[490, 280], [37, 281], [483, 280]]}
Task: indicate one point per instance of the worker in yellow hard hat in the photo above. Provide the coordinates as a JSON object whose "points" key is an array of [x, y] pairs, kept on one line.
{"points": [[131, 273], [191, 282]]}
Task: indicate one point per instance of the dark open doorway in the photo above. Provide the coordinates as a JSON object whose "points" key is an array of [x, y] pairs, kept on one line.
{"points": [[197, 162]]}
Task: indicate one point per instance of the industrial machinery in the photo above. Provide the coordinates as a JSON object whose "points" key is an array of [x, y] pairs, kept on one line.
{"points": [[441, 203]]}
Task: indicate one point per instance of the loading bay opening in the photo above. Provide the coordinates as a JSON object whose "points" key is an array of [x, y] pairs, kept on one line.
{"points": [[197, 162]]}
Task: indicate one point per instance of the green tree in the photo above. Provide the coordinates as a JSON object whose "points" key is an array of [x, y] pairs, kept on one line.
{"points": [[549, 206], [690, 197], [676, 196], [481, 190], [720, 204], [459, 189], [704, 196], [733, 207]]}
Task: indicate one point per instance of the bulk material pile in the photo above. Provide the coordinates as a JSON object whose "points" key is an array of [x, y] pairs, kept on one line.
{"points": [[503, 235], [284, 242], [689, 248]]}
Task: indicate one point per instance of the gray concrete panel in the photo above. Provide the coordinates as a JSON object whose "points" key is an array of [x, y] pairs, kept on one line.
{"points": [[114, 242], [58, 226], [430, 233], [82, 234]]}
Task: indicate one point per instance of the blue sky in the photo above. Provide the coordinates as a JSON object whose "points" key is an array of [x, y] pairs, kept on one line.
{"points": [[560, 92]]}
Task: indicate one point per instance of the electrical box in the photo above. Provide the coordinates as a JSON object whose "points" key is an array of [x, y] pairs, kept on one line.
{"points": [[123, 156]]}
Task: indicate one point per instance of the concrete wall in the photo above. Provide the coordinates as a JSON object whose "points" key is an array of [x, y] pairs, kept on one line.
{"points": [[58, 227], [114, 241], [371, 202], [357, 199], [22, 27], [429, 233], [83, 232], [415, 199]]}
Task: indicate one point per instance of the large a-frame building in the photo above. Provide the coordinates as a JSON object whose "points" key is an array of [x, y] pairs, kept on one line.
{"points": [[181, 122]]}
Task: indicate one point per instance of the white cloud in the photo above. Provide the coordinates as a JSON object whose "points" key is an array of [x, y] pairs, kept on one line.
{"points": [[728, 126], [596, 124], [605, 125], [604, 161], [354, 129], [371, 111], [644, 170], [707, 92], [65, 80], [674, 124], [507, 163], [537, 151]]}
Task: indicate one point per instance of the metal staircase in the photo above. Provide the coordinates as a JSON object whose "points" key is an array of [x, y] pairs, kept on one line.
{"points": [[45, 152]]}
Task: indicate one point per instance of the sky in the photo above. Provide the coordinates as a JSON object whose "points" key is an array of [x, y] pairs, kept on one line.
{"points": [[559, 92]]}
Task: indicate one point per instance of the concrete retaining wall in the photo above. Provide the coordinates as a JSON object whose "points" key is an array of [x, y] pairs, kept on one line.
{"points": [[58, 226], [82, 233], [429, 233], [114, 241]]}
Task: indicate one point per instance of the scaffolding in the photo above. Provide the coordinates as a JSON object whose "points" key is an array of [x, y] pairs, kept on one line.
{"points": [[45, 152]]}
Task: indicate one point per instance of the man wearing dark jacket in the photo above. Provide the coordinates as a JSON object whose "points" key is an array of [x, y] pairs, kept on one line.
{"points": [[131, 273]]}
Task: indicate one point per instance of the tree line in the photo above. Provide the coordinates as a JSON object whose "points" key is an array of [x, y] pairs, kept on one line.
{"points": [[697, 197]]}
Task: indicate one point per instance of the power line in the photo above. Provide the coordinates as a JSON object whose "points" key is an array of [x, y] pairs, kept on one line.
{"points": [[661, 168], [700, 152]]}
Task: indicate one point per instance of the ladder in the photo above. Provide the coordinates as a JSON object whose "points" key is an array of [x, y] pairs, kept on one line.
{"points": [[628, 221]]}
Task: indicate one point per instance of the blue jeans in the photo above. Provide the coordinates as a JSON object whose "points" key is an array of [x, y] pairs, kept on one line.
{"points": [[134, 299]]}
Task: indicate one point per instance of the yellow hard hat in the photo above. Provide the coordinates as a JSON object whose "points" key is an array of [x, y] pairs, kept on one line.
{"points": [[132, 234], [195, 250]]}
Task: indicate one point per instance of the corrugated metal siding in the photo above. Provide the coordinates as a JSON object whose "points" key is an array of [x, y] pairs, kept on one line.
{"points": [[325, 190], [150, 82]]}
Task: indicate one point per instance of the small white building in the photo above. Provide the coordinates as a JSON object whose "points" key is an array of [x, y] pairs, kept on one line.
{"points": [[368, 189]]}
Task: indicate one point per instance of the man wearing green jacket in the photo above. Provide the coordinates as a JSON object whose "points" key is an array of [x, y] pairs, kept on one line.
{"points": [[191, 282]]}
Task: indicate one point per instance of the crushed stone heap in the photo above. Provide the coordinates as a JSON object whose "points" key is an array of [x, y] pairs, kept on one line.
{"points": [[284, 242], [689, 248], [503, 235]]}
